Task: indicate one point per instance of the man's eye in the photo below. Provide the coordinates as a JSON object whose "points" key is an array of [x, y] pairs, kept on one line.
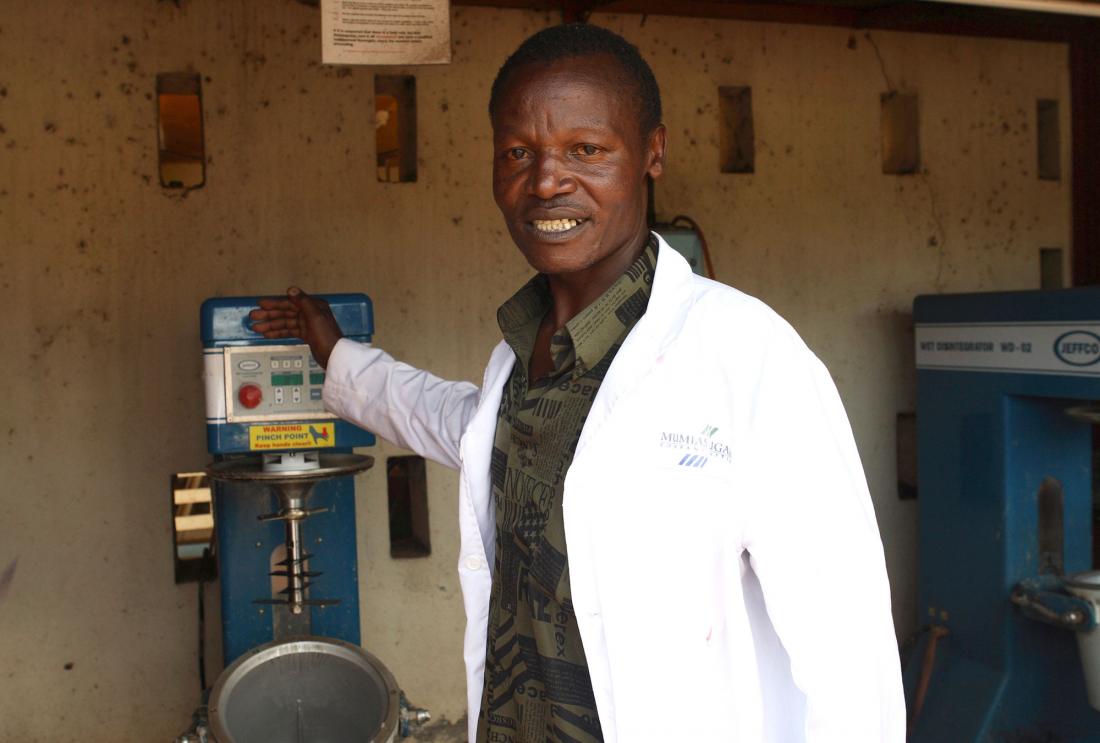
{"points": [[516, 153], [588, 150]]}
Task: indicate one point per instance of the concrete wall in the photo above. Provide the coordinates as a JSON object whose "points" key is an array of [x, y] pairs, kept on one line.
{"points": [[103, 272]]}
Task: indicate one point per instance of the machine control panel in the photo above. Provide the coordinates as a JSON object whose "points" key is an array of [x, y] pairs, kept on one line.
{"points": [[265, 383], [264, 394]]}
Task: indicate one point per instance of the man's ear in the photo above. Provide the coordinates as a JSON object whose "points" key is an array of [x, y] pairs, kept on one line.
{"points": [[655, 151]]}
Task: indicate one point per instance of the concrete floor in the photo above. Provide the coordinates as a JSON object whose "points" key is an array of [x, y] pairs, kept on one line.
{"points": [[441, 731]]}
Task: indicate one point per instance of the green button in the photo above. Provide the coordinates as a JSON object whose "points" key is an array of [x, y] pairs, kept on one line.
{"points": [[316, 377]]}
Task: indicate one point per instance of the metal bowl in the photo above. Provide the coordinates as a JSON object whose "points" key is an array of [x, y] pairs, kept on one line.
{"points": [[251, 469], [305, 690]]}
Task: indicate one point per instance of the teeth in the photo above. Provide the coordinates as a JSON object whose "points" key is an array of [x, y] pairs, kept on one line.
{"points": [[556, 225]]}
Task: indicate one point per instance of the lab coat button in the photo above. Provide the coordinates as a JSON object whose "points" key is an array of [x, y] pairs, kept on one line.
{"points": [[473, 562]]}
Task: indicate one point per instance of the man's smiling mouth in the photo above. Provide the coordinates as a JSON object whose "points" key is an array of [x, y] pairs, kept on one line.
{"points": [[556, 225]]}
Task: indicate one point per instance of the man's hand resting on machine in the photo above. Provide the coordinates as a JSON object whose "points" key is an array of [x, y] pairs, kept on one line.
{"points": [[299, 316]]}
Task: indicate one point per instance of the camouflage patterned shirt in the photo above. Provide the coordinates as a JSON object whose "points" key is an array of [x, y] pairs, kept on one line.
{"points": [[537, 686]]}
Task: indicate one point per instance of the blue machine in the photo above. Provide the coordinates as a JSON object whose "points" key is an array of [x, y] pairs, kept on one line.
{"points": [[686, 242], [1005, 386], [265, 396]]}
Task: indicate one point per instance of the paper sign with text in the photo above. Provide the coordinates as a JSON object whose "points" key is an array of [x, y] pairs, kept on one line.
{"points": [[380, 33]]}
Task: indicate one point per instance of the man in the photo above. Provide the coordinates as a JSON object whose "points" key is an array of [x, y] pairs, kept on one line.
{"points": [[666, 532]]}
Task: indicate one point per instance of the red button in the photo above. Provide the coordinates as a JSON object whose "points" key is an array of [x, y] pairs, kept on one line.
{"points": [[250, 395]]}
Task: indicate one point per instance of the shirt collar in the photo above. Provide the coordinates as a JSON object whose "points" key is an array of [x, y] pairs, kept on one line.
{"points": [[520, 316], [605, 322], [586, 339]]}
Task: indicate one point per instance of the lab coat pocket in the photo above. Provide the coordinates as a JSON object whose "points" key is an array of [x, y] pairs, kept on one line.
{"points": [[658, 534]]}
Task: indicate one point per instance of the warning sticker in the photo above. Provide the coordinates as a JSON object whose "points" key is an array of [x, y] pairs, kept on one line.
{"points": [[291, 436]]}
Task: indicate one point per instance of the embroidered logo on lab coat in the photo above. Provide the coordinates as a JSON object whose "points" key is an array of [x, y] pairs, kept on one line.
{"points": [[693, 460], [696, 449]]}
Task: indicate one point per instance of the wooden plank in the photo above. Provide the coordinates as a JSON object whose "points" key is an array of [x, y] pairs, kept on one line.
{"points": [[194, 523], [191, 495]]}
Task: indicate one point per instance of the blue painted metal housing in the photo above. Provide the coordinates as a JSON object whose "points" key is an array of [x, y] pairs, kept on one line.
{"points": [[247, 547], [987, 440], [224, 320]]}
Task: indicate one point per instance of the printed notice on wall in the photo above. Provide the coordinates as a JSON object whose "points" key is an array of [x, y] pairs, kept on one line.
{"points": [[374, 32]]}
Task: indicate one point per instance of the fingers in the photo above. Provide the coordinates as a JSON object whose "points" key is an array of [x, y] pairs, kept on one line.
{"points": [[269, 303], [276, 329], [290, 317], [264, 326], [278, 333], [306, 304], [277, 322], [296, 296], [276, 309], [261, 316], [272, 316]]}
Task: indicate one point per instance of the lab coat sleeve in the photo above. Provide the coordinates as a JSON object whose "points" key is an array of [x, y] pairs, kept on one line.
{"points": [[814, 545], [400, 403]]}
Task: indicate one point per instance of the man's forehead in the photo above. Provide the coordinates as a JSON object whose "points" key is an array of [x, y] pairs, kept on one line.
{"points": [[598, 76], [598, 69]]}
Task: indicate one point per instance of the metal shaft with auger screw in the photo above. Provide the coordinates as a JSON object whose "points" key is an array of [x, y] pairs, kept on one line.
{"points": [[291, 478], [292, 499]]}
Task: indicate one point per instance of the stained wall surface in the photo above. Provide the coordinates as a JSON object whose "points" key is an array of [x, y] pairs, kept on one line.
{"points": [[103, 272]]}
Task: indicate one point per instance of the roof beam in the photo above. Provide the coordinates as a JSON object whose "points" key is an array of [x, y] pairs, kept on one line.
{"points": [[916, 17]]}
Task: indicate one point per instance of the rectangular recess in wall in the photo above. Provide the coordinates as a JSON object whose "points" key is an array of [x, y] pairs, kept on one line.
{"points": [[181, 152], [736, 140], [395, 127], [1049, 139], [407, 485], [1050, 268], [900, 134]]}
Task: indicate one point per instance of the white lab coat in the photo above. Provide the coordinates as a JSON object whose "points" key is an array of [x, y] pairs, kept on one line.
{"points": [[724, 558]]}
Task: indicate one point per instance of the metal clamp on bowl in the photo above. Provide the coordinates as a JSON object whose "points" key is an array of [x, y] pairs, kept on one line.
{"points": [[1045, 599]]}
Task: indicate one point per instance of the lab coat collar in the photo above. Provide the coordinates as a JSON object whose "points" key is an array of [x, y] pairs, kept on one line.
{"points": [[669, 305]]}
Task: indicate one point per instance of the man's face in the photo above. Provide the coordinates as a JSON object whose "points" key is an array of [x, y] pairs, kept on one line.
{"points": [[570, 165]]}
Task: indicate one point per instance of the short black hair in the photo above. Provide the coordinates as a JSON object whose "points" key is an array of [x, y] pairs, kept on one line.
{"points": [[583, 40]]}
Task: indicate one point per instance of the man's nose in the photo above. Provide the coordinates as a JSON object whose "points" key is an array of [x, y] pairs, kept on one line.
{"points": [[551, 176]]}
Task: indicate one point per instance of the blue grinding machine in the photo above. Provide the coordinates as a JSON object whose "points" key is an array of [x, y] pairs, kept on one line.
{"points": [[1008, 385], [264, 397], [284, 515]]}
